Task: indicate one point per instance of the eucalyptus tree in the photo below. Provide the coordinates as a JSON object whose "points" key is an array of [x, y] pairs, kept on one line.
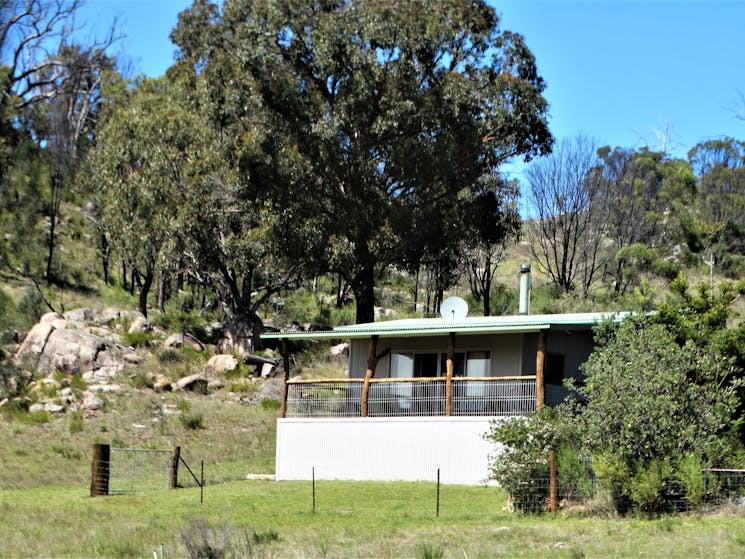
{"points": [[567, 227], [140, 160], [382, 109], [632, 192], [719, 166], [495, 221], [49, 93]]}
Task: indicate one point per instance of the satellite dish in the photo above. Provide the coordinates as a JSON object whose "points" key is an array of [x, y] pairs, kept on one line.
{"points": [[454, 308]]}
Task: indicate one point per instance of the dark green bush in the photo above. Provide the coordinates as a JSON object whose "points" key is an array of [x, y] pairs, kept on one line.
{"points": [[192, 421], [31, 307]]}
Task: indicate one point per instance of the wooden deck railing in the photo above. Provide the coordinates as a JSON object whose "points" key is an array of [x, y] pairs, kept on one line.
{"points": [[492, 396]]}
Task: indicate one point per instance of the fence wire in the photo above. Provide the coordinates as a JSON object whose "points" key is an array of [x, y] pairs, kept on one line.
{"points": [[721, 487], [139, 469]]}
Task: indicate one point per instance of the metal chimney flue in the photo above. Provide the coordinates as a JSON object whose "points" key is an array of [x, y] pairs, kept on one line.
{"points": [[524, 307]]}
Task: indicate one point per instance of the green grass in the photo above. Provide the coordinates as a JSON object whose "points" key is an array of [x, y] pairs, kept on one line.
{"points": [[352, 519]]}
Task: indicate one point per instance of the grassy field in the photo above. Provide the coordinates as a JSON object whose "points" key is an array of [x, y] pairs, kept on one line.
{"points": [[378, 520], [45, 510]]}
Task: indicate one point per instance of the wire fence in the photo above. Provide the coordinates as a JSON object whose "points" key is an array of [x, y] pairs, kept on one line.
{"points": [[118, 471], [721, 487], [139, 469]]}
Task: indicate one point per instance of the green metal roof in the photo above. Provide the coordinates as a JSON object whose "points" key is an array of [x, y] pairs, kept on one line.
{"points": [[417, 327]]}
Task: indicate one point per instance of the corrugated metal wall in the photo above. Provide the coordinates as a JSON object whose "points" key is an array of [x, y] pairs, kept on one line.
{"points": [[384, 449]]}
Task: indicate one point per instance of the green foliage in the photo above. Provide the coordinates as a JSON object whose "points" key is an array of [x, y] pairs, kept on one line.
{"points": [[75, 423], [192, 421], [169, 355], [644, 373], [8, 317], [650, 484], [31, 307], [120, 547], [520, 463], [183, 405], [141, 380], [269, 404], [692, 480], [137, 338], [427, 550], [67, 452]]}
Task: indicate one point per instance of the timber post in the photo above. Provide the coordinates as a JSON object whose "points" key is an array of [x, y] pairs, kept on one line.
{"points": [[100, 467], [449, 375], [175, 459], [553, 485], [286, 366], [540, 363], [372, 363]]}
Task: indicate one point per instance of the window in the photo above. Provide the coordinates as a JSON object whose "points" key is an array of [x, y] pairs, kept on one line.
{"points": [[417, 365]]}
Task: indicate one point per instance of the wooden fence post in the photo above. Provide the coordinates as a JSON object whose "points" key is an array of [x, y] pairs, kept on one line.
{"points": [[553, 485], [100, 468], [174, 467]]}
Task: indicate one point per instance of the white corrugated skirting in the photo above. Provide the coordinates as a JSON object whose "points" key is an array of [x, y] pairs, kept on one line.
{"points": [[385, 449]]}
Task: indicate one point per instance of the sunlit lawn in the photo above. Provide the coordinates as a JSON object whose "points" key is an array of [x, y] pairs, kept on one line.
{"points": [[351, 519]]}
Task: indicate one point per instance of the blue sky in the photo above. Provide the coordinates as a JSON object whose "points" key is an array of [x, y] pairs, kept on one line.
{"points": [[616, 71]]}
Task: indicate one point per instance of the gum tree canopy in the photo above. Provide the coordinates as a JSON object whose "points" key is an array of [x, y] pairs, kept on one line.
{"points": [[388, 109]]}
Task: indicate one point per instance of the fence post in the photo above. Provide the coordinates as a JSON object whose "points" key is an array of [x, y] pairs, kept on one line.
{"points": [[100, 467], [553, 486], [174, 467]]}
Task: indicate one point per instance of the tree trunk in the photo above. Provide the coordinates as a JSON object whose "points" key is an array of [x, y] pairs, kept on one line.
{"points": [[105, 257], [363, 286], [486, 284], [53, 217], [145, 284]]}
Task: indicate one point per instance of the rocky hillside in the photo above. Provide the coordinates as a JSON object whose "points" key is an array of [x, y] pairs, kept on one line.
{"points": [[68, 362]]}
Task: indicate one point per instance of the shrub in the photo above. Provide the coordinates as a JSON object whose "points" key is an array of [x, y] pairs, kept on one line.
{"points": [[170, 355], [650, 487], [137, 339], [67, 452], [192, 421], [690, 475], [31, 307], [430, 551], [141, 380], [520, 465], [183, 405], [76, 424], [269, 404], [202, 541]]}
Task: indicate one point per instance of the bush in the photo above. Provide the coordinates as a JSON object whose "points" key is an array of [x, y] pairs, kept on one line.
{"points": [[192, 421], [520, 465], [137, 339], [269, 404], [203, 541], [170, 355], [76, 424], [141, 380], [31, 307]]}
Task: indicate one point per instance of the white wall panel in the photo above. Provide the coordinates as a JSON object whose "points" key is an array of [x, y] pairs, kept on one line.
{"points": [[385, 449]]}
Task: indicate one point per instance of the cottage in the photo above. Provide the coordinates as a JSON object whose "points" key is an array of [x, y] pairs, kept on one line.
{"points": [[421, 393]]}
